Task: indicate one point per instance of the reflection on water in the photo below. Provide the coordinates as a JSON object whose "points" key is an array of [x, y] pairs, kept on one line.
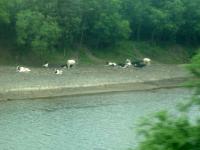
{"points": [[93, 122]]}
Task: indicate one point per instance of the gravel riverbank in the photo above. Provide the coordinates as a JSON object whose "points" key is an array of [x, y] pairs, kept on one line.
{"points": [[41, 82]]}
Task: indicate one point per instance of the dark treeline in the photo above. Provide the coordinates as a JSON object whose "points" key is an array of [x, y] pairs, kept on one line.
{"points": [[44, 25]]}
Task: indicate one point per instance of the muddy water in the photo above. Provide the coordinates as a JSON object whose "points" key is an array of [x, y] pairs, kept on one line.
{"points": [[90, 122]]}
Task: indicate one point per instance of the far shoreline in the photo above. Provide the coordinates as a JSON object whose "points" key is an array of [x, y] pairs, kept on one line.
{"points": [[43, 83], [50, 92]]}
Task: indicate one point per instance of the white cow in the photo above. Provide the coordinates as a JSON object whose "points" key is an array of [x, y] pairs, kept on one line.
{"points": [[46, 65], [147, 61], [70, 63], [22, 69], [113, 64], [128, 62], [57, 71]]}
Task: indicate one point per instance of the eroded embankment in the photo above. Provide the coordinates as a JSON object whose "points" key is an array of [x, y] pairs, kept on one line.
{"points": [[42, 82]]}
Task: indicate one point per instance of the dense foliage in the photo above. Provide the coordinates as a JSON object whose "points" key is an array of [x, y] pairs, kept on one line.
{"points": [[175, 132], [58, 24]]}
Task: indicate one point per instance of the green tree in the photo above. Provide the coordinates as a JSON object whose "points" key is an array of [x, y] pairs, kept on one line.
{"points": [[4, 14], [165, 19], [136, 13], [174, 20], [107, 25], [190, 30], [101, 22], [37, 32], [69, 18], [110, 28], [5, 19]]}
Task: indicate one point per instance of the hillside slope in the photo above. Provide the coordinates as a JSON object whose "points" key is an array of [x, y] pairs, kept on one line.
{"points": [[168, 54]]}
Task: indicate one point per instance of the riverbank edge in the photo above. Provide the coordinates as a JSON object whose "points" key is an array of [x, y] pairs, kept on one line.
{"points": [[93, 89]]}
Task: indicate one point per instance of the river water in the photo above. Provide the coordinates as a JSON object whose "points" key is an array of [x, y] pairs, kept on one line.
{"points": [[90, 122]]}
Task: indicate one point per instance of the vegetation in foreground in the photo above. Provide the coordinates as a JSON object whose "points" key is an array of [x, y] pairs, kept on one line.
{"points": [[170, 132]]}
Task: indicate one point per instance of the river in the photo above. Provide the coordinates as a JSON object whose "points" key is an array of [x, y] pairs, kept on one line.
{"points": [[88, 122]]}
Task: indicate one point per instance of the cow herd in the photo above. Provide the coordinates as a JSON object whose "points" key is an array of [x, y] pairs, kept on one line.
{"points": [[136, 63], [69, 64], [140, 63]]}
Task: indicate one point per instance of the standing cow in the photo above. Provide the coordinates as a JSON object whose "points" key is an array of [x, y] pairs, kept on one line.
{"points": [[70, 63], [147, 61]]}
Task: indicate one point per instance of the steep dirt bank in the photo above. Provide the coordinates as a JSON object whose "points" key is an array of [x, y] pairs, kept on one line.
{"points": [[42, 82]]}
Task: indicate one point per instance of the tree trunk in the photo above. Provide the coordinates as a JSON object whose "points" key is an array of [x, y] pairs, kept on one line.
{"points": [[81, 40], [64, 52], [153, 36], [138, 32]]}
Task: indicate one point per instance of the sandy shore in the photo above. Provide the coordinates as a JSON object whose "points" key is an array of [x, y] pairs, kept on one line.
{"points": [[41, 82]]}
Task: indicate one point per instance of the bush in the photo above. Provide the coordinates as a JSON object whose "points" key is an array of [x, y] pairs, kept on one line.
{"points": [[168, 132]]}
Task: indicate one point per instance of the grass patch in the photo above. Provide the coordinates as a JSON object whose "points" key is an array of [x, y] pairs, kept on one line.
{"points": [[78, 54], [170, 54], [163, 53]]}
